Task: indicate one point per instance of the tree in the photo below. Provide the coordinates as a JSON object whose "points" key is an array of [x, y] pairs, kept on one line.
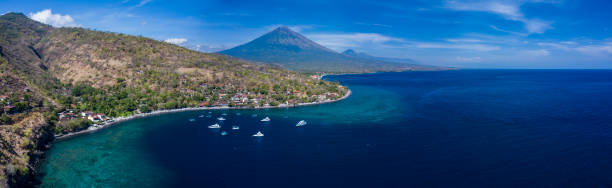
{"points": [[77, 124], [4, 119]]}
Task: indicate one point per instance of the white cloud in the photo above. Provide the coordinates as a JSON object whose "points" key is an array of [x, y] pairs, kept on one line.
{"points": [[296, 28], [554, 45], [176, 41], [352, 40], [143, 2], [56, 20], [509, 10], [590, 48], [210, 48], [374, 24], [468, 59], [467, 40], [506, 31], [536, 25], [541, 52], [476, 47], [602, 50], [140, 3]]}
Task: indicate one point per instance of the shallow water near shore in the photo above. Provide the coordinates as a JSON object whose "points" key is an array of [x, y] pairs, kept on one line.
{"points": [[486, 128]]}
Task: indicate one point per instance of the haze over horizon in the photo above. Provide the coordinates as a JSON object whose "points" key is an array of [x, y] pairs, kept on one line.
{"points": [[460, 33]]}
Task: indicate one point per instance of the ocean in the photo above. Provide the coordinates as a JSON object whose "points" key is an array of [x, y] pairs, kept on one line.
{"points": [[461, 128]]}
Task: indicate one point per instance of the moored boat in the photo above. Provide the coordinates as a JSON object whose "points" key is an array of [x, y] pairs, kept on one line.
{"points": [[258, 134], [301, 123], [214, 126]]}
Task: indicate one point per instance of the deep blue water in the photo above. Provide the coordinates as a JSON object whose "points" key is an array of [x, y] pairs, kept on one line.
{"points": [[467, 128]]}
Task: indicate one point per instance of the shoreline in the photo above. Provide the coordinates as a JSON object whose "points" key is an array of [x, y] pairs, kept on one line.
{"points": [[118, 120]]}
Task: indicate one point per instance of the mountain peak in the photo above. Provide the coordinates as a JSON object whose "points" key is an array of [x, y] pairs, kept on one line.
{"points": [[21, 20], [284, 32], [353, 53], [15, 17], [349, 52], [289, 49], [13, 14], [282, 29], [280, 38]]}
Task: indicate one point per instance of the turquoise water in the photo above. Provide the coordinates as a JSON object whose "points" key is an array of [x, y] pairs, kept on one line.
{"points": [[472, 128]]}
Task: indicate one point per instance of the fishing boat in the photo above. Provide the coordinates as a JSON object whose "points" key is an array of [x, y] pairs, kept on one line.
{"points": [[201, 116], [258, 134], [265, 119], [214, 126], [301, 123], [191, 119], [221, 119], [235, 127]]}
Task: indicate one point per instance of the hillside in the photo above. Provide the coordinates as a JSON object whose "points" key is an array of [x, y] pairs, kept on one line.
{"points": [[293, 51], [50, 75]]}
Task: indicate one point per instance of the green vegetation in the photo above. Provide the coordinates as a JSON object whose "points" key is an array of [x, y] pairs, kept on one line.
{"points": [[74, 125], [49, 75], [5, 119], [165, 76]]}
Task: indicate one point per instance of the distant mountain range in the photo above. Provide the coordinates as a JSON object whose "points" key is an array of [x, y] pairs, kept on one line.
{"points": [[353, 53], [291, 50]]}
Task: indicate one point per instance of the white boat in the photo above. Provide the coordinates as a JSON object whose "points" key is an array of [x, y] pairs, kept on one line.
{"points": [[265, 119], [223, 133], [221, 119], [224, 114], [191, 119], [235, 127], [301, 123], [258, 134], [201, 116], [214, 126]]}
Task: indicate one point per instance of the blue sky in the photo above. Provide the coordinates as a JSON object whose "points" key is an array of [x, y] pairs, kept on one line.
{"points": [[462, 33]]}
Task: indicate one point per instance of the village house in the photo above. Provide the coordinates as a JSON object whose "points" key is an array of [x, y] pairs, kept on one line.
{"points": [[239, 99], [331, 95], [67, 115], [97, 117], [322, 97], [299, 94], [221, 104], [8, 108]]}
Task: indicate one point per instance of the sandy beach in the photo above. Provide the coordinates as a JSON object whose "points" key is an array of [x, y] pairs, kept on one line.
{"points": [[117, 120]]}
